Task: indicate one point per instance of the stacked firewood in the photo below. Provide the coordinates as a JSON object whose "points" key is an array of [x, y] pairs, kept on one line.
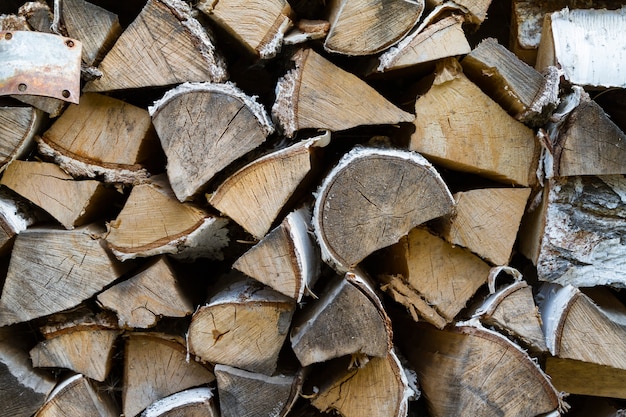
{"points": [[271, 208]]}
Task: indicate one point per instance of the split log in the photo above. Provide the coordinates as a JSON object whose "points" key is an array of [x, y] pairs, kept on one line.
{"points": [[155, 366], [259, 25], [176, 228], [18, 126], [203, 128], [15, 216], [585, 378], [367, 27], [85, 140], [194, 402], [256, 194], [143, 299], [357, 213], [248, 394], [307, 30], [308, 97], [244, 326], [72, 203], [431, 278], [461, 128], [164, 45], [476, 9], [347, 320], [287, 259], [78, 396], [38, 14]]}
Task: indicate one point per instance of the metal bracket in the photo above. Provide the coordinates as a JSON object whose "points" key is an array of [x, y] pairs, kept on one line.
{"points": [[40, 64]]}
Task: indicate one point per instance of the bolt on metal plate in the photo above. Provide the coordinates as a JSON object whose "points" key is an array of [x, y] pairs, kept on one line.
{"points": [[40, 64]]}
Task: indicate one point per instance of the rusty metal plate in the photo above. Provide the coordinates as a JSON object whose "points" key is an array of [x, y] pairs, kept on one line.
{"points": [[40, 64]]}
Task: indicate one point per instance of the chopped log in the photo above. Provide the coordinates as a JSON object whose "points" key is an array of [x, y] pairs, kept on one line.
{"points": [[259, 25], [155, 366], [357, 213], [255, 195], [244, 326], [585, 378], [431, 278], [176, 228], [38, 14], [367, 27], [62, 269], [307, 30], [203, 128], [194, 402], [461, 128], [85, 140], [308, 97], [143, 299], [249, 394], [476, 9], [575, 235], [80, 317], [78, 396], [486, 221], [18, 126], [164, 45], [287, 259], [71, 203], [347, 319], [15, 216]]}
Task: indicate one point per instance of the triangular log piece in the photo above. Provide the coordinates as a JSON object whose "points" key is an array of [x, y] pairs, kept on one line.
{"points": [[486, 221], [194, 402], [366, 27], [470, 370], [156, 366], [347, 319], [371, 199], [15, 216], [248, 394], [142, 300], [244, 326], [154, 222], [77, 396], [85, 140], [591, 33], [259, 25], [164, 45], [71, 202], [308, 97], [203, 127], [476, 9], [461, 128], [95, 27], [54, 270], [576, 235], [585, 378], [255, 195], [517, 87], [431, 278], [287, 259], [379, 388], [18, 126]]}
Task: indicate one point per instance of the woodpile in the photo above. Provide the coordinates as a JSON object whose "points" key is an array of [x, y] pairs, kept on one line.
{"points": [[304, 208]]}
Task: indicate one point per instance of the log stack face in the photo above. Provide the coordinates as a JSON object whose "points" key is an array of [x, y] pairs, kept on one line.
{"points": [[281, 208]]}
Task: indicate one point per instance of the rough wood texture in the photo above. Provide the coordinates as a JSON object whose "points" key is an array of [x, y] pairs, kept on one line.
{"points": [[357, 213], [476, 9], [318, 94], [15, 216], [194, 402], [164, 45], [585, 378], [18, 126], [204, 127]]}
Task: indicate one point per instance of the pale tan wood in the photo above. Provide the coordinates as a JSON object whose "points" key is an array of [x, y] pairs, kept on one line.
{"points": [[259, 25], [194, 402], [248, 394], [461, 128], [347, 319], [585, 378], [86, 140], [244, 326], [476, 9], [357, 213], [365, 27], [78, 396], [255, 195], [486, 221], [287, 259], [18, 126], [72, 203], [62, 268], [307, 30], [154, 222], [78, 318], [204, 127], [143, 299], [155, 366], [318, 94], [164, 45]]}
